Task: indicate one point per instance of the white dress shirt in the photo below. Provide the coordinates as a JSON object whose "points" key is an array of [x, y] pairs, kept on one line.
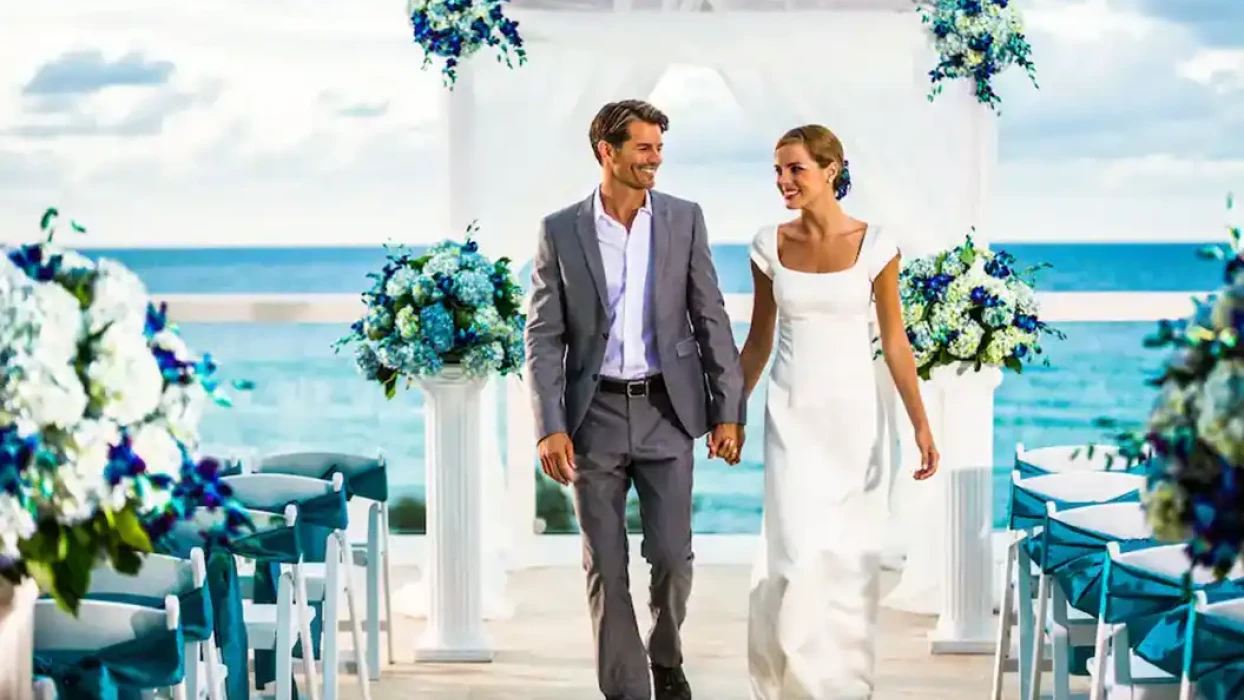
{"points": [[631, 351]]}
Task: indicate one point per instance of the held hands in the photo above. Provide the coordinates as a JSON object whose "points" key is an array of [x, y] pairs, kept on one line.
{"points": [[726, 442], [557, 457], [928, 454]]}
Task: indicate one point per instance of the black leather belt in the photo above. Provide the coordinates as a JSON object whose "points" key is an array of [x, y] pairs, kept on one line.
{"points": [[633, 387]]}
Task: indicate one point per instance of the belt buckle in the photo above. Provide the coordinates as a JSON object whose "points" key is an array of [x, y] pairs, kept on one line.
{"points": [[635, 389]]}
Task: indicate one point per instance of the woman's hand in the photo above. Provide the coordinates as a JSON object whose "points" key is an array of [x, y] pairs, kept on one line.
{"points": [[928, 454]]}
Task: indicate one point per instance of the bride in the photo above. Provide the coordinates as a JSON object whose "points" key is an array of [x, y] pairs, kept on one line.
{"points": [[814, 593]]}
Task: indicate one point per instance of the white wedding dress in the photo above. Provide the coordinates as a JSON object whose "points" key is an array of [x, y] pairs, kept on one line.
{"points": [[814, 593]]}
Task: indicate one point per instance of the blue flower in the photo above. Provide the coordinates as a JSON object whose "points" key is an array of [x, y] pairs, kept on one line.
{"points": [[484, 359], [367, 362], [438, 327], [473, 288], [456, 29]]}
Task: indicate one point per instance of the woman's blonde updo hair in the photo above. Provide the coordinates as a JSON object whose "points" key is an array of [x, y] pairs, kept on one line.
{"points": [[825, 149]]}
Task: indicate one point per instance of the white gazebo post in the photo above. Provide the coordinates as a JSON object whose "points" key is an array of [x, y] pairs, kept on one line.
{"points": [[965, 624], [454, 573], [520, 470]]}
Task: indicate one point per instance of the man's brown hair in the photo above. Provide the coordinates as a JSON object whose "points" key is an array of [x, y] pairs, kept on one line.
{"points": [[613, 121]]}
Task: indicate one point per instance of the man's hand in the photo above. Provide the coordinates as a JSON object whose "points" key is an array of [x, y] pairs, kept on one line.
{"points": [[726, 441], [557, 457]]}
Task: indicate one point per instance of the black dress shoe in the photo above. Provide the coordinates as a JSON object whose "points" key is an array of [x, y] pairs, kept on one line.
{"points": [[670, 683]]}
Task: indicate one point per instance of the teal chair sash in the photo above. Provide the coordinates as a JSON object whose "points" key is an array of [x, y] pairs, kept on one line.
{"points": [[1028, 507], [368, 482], [1075, 557], [119, 672], [226, 609], [318, 517], [1160, 636], [1216, 662]]}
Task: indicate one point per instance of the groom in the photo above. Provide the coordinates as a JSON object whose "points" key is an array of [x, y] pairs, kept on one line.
{"points": [[631, 357]]}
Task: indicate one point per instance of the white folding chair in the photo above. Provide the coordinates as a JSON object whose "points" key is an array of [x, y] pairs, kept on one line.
{"points": [[1070, 628], [277, 626], [1030, 495], [266, 491], [369, 546], [1115, 666], [99, 625], [163, 576], [1055, 459]]}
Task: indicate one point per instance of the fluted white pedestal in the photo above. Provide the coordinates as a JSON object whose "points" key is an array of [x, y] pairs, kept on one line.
{"points": [[453, 574], [17, 639], [965, 624], [496, 548]]}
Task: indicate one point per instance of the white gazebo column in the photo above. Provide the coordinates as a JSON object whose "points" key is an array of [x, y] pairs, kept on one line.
{"points": [[520, 471], [453, 576], [461, 115], [965, 625]]}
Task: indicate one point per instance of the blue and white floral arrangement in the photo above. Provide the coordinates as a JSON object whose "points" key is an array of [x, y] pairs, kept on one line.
{"points": [[450, 305], [455, 30], [1194, 436], [100, 403], [971, 305], [977, 40]]}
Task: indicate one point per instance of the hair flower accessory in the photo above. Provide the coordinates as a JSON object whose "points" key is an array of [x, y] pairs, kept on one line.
{"points": [[456, 29], [842, 183], [977, 40]]}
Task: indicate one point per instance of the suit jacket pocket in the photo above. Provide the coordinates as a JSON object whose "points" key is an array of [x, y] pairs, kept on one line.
{"points": [[685, 347]]}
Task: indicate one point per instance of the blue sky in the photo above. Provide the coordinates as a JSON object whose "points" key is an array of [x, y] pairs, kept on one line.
{"points": [[297, 121]]}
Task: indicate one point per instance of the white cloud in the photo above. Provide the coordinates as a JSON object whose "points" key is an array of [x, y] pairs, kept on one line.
{"points": [[296, 121]]}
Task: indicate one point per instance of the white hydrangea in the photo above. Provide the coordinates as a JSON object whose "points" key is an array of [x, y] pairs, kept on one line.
{"points": [[37, 393], [158, 449], [16, 525], [182, 407], [967, 341], [1221, 420], [407, 322], [124, 376], [118, 299], [401, 282]]}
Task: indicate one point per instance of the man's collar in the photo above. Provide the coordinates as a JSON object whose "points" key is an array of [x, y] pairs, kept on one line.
{"points": [[598, 204]]}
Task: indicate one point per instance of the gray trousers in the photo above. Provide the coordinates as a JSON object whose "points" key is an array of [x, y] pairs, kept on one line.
{"points": [[625, 440]]}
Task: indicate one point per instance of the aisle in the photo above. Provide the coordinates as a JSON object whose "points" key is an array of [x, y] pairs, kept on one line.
{"points": [[545, 650]]}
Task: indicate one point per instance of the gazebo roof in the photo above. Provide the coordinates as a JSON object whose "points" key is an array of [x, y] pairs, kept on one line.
{"points": [[717, 5]]}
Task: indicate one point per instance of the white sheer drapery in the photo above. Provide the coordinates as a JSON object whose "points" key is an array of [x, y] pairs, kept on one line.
{"points": [[857, 66]]}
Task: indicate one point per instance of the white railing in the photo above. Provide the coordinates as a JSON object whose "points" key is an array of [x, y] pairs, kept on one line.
{"points": [[529, 549], [346, 308]]}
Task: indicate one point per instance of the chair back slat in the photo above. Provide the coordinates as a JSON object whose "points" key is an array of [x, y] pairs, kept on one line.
{"points": [[98, 624], [161, 575], [270, 492]]}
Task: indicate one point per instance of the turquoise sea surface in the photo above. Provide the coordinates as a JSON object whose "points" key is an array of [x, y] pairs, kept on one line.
{"points": [[308, 397]]}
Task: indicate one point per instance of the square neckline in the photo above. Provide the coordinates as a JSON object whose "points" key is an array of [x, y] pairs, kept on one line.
{"points": [[859, 255]]}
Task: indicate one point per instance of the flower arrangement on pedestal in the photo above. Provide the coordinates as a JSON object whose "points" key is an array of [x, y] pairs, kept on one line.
{"points": [[456, 29], [977, 40], [971, 305], [1194, 437], [100, 401], [448, 306]]}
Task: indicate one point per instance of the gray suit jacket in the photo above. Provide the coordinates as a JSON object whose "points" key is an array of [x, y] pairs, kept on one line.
{"points": [[568, 320]]}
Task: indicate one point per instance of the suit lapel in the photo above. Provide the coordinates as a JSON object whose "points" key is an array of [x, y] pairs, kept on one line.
{"points": [[660, 246], [585, 227]]}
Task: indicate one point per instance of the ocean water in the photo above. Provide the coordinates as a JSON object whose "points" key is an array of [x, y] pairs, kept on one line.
{"points": [[308, 397]]}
